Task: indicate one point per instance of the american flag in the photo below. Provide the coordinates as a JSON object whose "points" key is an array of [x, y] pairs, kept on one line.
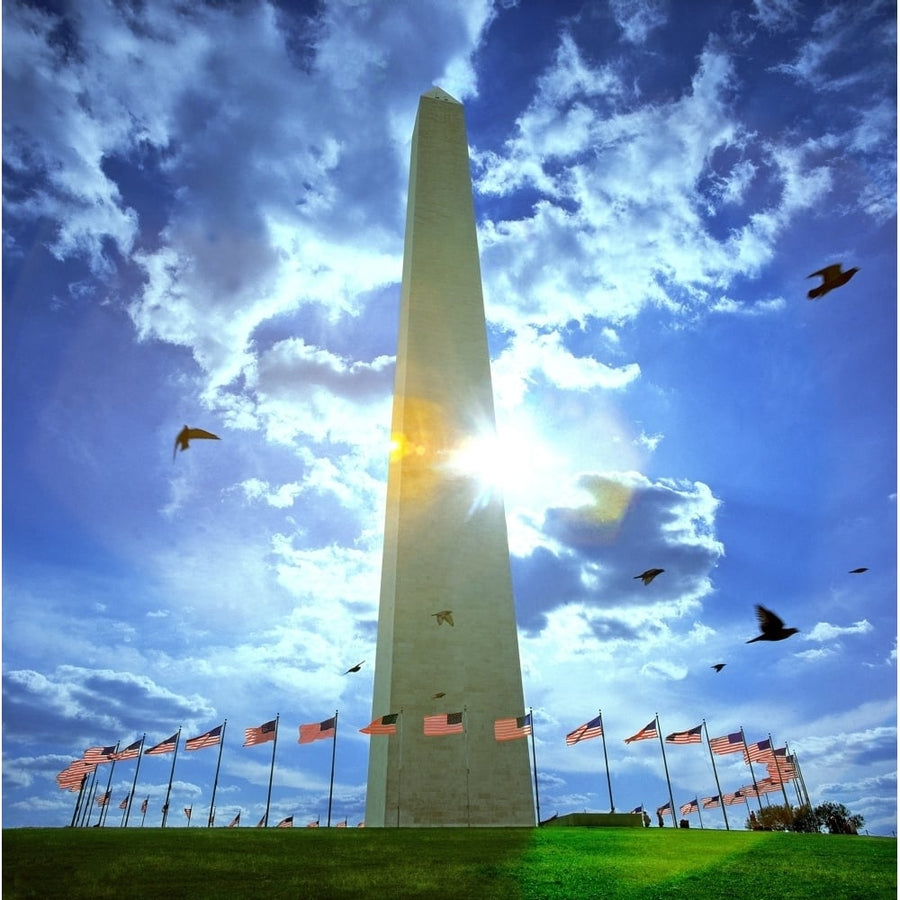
{"points": [[688, 808], [261, 822], [711, 802], [209, 739], [768, 785], [734, 798], [254, 736], [103, 799], [318, 731], [286, 823], [313, 824], [692, 736], [97, 755], [188, 810], [70, 777], [124, 804], [728, 743], [666, 807], [144, 806], [132, 751], [761, 751], [342, 824], [166, 746], [638, 809], [446, 723], [648, 731], [782, 768], [235, 821], [585, 732], [513, 728], [385, 725]]}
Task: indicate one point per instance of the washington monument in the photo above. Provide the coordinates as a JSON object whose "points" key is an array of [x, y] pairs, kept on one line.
{"points": [[447, 655]]}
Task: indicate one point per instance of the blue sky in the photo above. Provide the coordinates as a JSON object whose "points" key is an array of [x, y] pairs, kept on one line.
{"points": [[203, 225]]}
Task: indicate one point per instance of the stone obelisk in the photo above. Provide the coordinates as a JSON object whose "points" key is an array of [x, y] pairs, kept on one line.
{"points": [[445, 543]]}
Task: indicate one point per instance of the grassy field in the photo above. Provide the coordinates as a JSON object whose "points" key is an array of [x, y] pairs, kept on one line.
{"points": [[565, 863]]}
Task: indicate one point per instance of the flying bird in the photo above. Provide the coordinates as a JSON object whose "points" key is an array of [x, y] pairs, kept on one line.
{"points": [[189, 434], [859, 571], [771, 626], [445, 615], [832, 277], [649, 575], [718, 666], [438, 695], [355, 668]]}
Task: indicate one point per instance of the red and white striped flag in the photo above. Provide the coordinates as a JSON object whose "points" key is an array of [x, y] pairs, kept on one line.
{"points": [[761, 751], [318, 731], [647, 732], [592, 729], [210, 739], [132, 751], [446, 723], [97, 755], [260, 735], [691, 736], [383, 725], [728, 743], [513, 728]]}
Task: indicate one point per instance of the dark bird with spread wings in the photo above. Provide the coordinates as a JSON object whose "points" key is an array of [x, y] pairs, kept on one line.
{"points": [[718, 666], [649, 575], [771, 626], [859, 571], [445, 615], [355, 668], [832, 277], [186, 435]]}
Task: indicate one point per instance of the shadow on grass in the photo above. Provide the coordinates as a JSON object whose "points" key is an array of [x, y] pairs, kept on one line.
{"points": [[564, 863]]}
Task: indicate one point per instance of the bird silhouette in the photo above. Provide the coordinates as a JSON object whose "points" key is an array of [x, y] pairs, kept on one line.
{"points": [[859, 571], [718, 666], [445, 615], [832, 277], [771, 626], [438, 695], [189, 434], [355, 668], [649, 575]]}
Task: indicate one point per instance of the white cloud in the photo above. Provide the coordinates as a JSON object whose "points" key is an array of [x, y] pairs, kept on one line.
{"points": [[823, 631], [637, 18]]}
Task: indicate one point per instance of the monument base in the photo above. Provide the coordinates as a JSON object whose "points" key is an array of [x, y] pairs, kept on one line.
{"points": [[596, 820]]}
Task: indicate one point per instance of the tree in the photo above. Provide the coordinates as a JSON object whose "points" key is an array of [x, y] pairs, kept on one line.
{"points": [[838, 819], [834, 817]]}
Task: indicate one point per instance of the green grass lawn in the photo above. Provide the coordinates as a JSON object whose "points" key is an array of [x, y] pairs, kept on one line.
{"points": [[565, 863]]}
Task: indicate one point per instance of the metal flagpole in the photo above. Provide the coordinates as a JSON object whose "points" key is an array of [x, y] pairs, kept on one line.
{"points": [[716, 774], [537, 797], [272, 771], [399, 766], [86, 812], [331, 784], [78, 801], [465, 721], [802, 781], [105, 810], [612, 806], [171, 776], [699, 804], [666, 767], [752, 773], [787, 802], [144, 806], [212, 803], [134, 783]]}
